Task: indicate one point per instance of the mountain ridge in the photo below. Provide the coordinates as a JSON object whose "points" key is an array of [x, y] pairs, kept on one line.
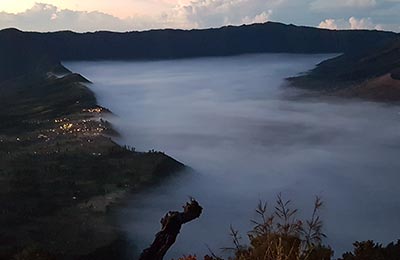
{"points": [[372, 75], [24, 49]]}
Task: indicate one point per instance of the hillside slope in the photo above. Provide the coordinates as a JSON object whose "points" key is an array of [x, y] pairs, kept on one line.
{"points": [[171, 44], [60, 171], [373, 74]]}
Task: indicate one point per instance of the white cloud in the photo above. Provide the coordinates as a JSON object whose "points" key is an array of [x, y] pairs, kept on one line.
{"points": [[352, 23], [46, 17], [363, 23], [214, 13], [196, 14], [49, 18], [188, 14], [259, 18], [329, 24]]}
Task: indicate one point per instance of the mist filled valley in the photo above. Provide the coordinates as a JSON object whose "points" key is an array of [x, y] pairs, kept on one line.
{"points": [[248, 136]]}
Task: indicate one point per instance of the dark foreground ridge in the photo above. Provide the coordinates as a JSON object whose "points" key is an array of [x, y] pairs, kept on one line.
{"points": [[60, 171]]}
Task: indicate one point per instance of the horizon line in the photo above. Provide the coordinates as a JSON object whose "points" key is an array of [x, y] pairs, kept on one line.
{"points": [[194, 29]]}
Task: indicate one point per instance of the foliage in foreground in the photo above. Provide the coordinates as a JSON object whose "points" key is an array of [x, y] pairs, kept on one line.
{"points": [[280, 235], [369, 250]]}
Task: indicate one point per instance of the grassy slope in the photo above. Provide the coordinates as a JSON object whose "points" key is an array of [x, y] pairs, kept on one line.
{"points": [[372, 75], [59, 172]]}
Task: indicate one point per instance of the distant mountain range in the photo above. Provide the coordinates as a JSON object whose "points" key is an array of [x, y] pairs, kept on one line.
{"points": [[23, 52]]}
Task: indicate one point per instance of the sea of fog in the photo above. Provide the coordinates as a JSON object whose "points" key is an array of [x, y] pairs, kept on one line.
{"points": [[249, 138]]}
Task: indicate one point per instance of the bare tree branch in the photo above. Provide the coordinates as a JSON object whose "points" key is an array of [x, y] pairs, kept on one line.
{"points": [[171, 226]]}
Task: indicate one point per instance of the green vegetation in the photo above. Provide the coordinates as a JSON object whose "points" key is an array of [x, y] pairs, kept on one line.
{"points": [[280, 235], [359, 66], [59, 169], [372, 75]]}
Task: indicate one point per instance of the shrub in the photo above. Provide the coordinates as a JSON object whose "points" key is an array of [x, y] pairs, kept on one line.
{"points": [[369, 250], [280, 235]]}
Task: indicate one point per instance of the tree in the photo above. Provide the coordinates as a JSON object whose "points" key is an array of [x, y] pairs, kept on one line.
{"points": [[171, 226]]}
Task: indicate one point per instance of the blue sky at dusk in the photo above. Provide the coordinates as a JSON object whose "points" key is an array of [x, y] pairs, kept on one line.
{"points": [[128, 15]]}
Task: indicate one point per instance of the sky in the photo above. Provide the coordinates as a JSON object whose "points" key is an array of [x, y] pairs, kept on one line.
{"points": [[130, 15]]}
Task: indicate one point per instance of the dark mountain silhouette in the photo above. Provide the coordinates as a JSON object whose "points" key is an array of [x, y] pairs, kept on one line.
{"points": [[360, 66], [27, 51], [373, 74], [20, 56]]}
